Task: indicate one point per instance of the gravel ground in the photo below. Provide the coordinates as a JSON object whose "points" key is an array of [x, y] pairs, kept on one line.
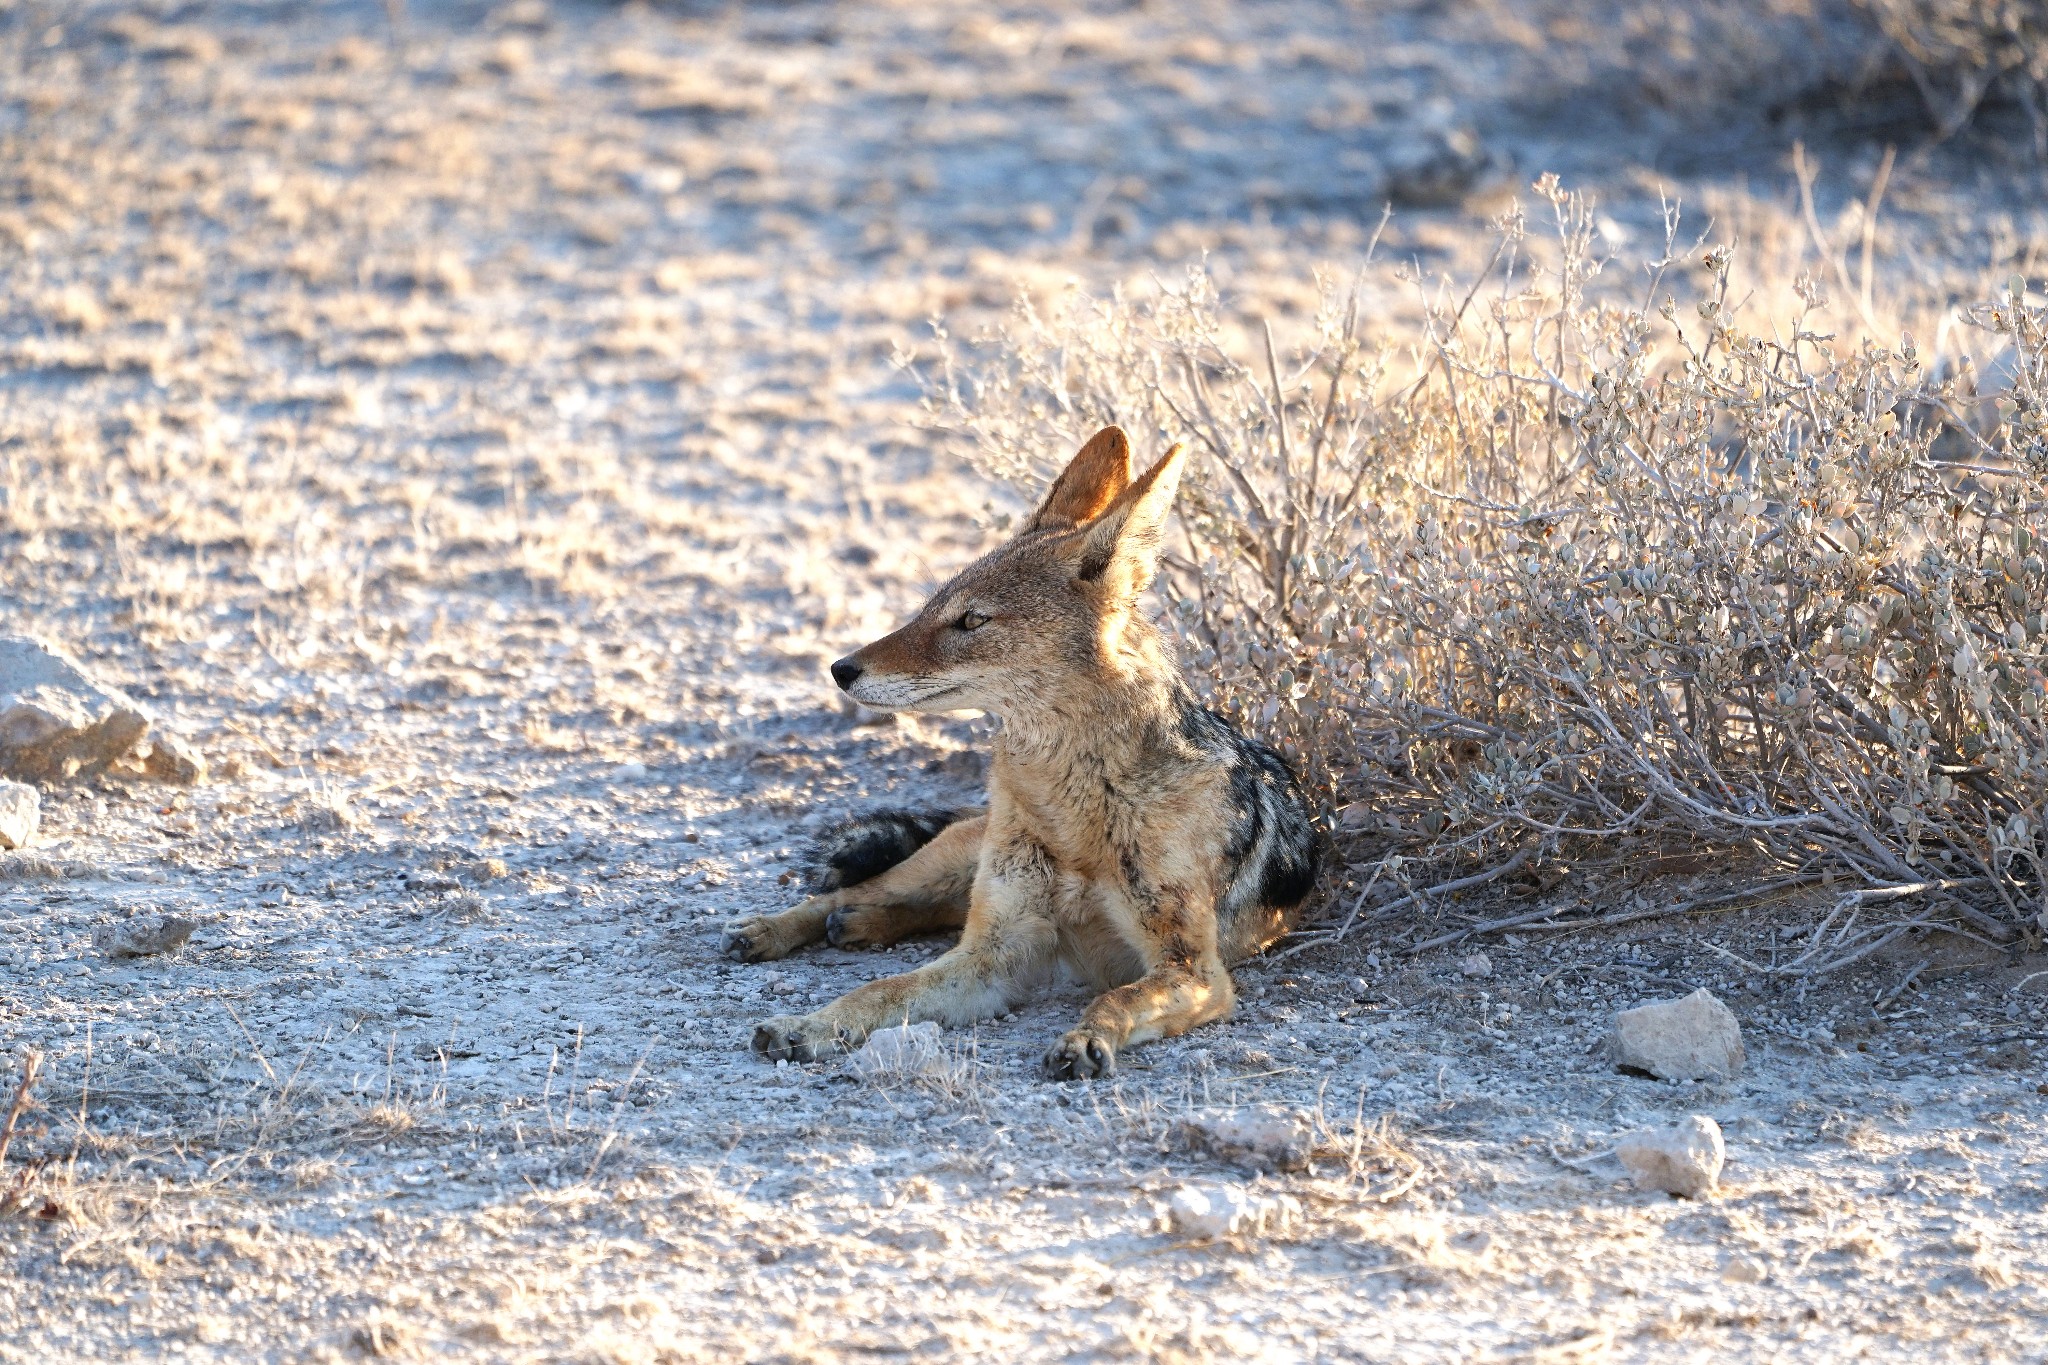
{"points": [[476, 435]]}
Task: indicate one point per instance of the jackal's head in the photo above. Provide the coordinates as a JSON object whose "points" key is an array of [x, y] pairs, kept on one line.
{"points": [[1047, 620]]}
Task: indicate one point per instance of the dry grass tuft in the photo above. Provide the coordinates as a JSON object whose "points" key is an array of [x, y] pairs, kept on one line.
{"points": [[1376, 1161], [1566, 575], [386, 1120]]}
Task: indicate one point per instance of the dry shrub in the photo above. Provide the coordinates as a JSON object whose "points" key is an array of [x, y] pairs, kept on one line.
{"points": [[1703, 61], [1567, 577], [1959, 51]]}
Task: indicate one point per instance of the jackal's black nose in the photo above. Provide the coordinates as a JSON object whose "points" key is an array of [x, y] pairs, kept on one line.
{"points": [[846, 673]]}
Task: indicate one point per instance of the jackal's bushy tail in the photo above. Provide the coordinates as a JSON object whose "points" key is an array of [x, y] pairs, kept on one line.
{"points": [[868, 844]]}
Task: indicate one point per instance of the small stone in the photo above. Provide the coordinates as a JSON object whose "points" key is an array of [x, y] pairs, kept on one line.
{"points": [[1744, 1270], [143, 939], [172, 760], [329, 813], [21, 813], [483, 869], [903, 1053], [1228, 1211], [1361, 989], [1683, 1160], [1696, 1038], [1265, 1137], [1476, 964]]}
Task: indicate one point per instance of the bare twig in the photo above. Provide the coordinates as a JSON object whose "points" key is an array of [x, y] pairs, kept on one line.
{"points": [[1489, 927], [31, 1064], [1905, 983], [1806, 172], [611, 1131], [1877, 186], [1726, 901]]}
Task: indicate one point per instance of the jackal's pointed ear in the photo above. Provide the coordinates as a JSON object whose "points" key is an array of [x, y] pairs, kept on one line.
{"points": [[1120, 548], [1090, 482]]}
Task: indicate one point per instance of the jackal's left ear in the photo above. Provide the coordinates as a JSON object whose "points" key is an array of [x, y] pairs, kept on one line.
{"points": [[1099, 471], [1120, 548]]}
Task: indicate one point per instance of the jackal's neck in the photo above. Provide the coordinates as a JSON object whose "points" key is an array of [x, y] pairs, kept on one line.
{"points": [[1106, 715]]}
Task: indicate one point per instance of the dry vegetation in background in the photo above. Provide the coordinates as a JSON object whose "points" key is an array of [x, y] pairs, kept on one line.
{"points": [[1569, 575], [1959, 51]]}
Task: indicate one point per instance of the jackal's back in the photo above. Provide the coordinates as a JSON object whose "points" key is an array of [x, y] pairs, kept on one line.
{"points": [[1271, 852]]}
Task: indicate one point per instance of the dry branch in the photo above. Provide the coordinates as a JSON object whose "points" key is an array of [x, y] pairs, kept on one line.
{"points": [[31, 1064]]}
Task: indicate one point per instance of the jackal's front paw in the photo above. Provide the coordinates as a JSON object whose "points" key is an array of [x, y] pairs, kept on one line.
{"points": [[799, 1039], [1081, 1056], [754, 940]]}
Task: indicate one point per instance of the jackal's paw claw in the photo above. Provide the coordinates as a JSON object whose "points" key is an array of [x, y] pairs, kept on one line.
{"points": [[1081, 1056], [750, 940], [793, 1038]]}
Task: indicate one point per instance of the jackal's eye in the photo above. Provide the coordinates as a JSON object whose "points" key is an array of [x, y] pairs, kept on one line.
{"points": [[971, 620]]}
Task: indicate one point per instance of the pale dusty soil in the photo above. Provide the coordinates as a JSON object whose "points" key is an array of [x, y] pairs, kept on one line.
{"points": [[477, 445]]}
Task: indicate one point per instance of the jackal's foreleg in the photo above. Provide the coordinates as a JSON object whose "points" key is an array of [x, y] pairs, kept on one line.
{"points": [[926, 892], [1172, 998], [1006, 948]]}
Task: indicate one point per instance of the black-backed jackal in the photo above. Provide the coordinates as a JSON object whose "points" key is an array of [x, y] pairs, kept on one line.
{"points": [[1131, 835]]}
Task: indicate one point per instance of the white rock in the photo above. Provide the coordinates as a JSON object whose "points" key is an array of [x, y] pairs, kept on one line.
{"points": [[1264, 1137], [21, 812], [143, 938], [1228, 1211], [903, 1053], [1477, 964], [1743, 1269], [56, 722], [1679, 1040], [1684, 1160]]}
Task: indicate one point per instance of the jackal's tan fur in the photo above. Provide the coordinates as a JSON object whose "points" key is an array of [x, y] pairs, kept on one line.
{"points": [[1130, 835]]}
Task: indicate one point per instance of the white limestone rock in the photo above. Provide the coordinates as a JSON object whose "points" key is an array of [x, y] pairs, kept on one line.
{"points": [[1208, 1211], [57, 723], [1683, 1160], [144, 938], [1264, 1137], [21, 813], [1696, 1038]]}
